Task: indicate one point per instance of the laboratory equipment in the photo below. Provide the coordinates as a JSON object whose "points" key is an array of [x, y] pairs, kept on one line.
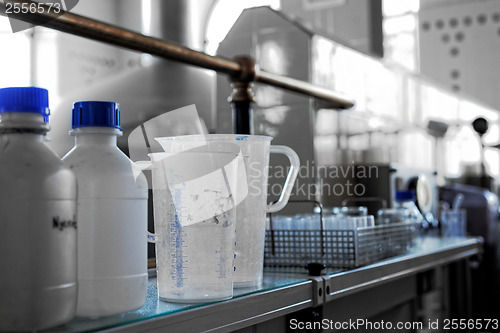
{"points": [[437, 129], [38, 192], [482, 209], [279, 222], [112, 215], [354, 211], [304, 222], [405, 201], [195, 193], [453, 223], [392, 215], [482, 179], [345, 242], [251, 212], [345, 222]]}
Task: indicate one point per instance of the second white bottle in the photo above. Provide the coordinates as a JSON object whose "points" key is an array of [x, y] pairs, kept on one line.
{"points": [[112, 215]]}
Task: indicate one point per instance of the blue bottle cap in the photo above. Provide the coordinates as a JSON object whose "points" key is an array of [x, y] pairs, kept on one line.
{"points": [[96, 114], [25, 99], [408, 195]]}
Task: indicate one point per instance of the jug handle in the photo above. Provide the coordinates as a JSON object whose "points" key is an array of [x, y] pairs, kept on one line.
{"points": [[147, 165], [290, 178]]}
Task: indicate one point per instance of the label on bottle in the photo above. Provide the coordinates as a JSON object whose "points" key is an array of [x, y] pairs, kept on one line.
{"points": [[62, 224], [39, 237]]}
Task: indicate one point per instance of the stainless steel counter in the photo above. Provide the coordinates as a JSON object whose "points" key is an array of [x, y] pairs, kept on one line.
{"points": [[280, 294]]}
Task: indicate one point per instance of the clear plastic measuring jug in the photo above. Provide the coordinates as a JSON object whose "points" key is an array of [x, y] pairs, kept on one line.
{"points": [[195, 192], [251, 212]]}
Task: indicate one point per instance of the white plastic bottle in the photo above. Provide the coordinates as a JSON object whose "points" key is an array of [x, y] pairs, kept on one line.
{"points": [[112, 214], [37, 218]]}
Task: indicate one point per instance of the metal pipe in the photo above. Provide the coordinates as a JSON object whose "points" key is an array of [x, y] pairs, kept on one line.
{"points": [[111, 34], [334, 99]]}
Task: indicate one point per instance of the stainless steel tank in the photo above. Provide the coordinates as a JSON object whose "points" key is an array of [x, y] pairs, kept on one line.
{"points": [[144, 87]]}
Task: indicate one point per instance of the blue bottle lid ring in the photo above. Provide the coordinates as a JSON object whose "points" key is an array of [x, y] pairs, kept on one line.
{"points": [[25, 99], [408, 195], [96, 114]]}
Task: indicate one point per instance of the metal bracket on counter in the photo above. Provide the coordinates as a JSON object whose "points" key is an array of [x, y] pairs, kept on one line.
{"points": [[362, 278], [318, 290], [328, 287], [318, 283]]}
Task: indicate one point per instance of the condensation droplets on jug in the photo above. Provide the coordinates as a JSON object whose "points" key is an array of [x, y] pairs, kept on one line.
{"points": [[251, 212], [195, 190]]}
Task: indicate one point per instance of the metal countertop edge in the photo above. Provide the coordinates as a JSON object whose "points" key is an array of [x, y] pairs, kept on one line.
{"points": [[349, 282], [251, 309], [230, 315]]}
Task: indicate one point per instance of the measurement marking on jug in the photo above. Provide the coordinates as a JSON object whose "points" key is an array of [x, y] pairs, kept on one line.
{"points": [[178, 243], [222, 265]]}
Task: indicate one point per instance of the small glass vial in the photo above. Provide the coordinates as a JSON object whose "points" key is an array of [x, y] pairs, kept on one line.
{"points": [[405, 201], [112, 214], [38, 225]]}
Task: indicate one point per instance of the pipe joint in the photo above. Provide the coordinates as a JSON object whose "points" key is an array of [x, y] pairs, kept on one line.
{"points": [[248, 70]]}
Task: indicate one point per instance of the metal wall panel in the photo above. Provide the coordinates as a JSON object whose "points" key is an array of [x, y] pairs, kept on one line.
{"points": [[358, 24], [460, 47]]}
